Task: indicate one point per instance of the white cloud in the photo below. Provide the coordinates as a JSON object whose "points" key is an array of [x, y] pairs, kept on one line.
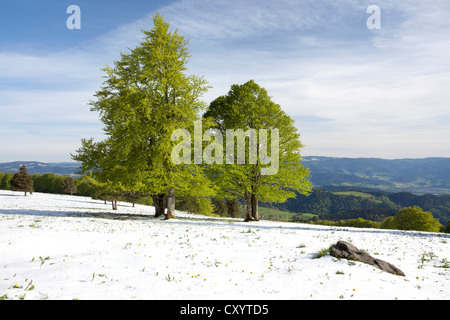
{"points": [[353, 91], [382, 95]]}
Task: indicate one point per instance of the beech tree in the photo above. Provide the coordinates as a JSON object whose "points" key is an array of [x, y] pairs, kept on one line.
{"points": [[145, 97], [249, 108]]}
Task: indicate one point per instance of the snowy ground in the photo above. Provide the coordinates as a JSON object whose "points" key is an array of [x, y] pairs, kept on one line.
{"points": [[51, 247]]}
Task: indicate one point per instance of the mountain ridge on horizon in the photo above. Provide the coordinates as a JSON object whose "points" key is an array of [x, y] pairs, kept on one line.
{"points": [[304, 157], [416, 175]]}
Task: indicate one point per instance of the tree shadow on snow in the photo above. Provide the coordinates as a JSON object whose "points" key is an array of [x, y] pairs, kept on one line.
{"points": [[78, 214], [219, 222]]}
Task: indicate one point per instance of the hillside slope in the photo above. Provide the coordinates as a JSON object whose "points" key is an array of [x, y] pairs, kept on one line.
{"points": [[53, 247], [341, 203]]}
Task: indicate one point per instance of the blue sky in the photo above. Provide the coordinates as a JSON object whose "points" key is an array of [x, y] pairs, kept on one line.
{"points": [[353, 92]]}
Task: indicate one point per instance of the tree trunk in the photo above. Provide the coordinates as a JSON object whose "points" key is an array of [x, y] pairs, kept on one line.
{"points": [[170, 204], [158, 201], [114, 204], [247, 206], [254, 202]]}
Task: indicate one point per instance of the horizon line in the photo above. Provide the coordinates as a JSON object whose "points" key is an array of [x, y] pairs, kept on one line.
{"points": [[303, 158]]}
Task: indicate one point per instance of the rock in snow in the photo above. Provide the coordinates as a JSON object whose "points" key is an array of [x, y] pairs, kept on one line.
{"points": [[343, 249]]}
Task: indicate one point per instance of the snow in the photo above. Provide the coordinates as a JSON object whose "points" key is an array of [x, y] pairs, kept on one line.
{"points": [[54, 247]]}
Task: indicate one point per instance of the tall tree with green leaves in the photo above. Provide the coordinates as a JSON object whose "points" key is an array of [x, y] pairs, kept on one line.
{"points": [[147, 96], [250, 109]]}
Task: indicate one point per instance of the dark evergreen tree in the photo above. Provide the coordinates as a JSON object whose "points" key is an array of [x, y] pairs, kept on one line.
{"points": [[21, 181], [220, 207], [447, 228], [234, 208]]}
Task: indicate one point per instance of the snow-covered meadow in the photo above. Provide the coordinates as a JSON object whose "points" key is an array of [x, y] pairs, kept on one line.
{"points": [[55, 247]]}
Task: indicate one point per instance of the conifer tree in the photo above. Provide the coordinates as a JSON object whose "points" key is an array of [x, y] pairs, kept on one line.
{"points": [[220, 207], [21, 181], [234, 208]]}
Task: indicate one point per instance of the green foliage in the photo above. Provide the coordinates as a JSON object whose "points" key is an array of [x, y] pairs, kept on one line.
{"points": [[388, 223], [234, 208], [414, 218], [411, 218], [84, 188], [439, 205], [249, 107], [355, 223], [220, 207], [146, 96], [5, 181], [198, 205], [333, 206], [48, 183], [322, 253], [339, 203], [446, 229]]}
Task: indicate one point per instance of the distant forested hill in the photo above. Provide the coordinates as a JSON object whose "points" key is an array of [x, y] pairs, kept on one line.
{"points": [[341, 203], [420, 176], [36, 167], [430, 175]]}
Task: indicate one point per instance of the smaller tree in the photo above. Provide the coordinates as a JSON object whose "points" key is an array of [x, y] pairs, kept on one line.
{"points": [[234, 208], [69, 186], [414, 218], [447, 227], [197, 205], [21, 181], [220, 207], [5, 181], [388, 223]]}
